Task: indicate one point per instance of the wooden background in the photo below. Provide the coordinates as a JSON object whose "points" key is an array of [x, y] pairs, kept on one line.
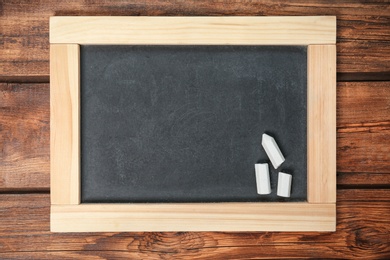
{"points": [[363, 138]]}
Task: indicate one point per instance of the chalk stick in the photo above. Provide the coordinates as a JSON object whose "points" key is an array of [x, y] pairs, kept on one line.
{"points": [[262, 178], [272, 149], [284, 184]]}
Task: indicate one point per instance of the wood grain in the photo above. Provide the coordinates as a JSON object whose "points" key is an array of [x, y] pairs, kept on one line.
{"points": [[363, 179], [65, 123], [363, 149], [363, 109], [363, 106], [362, 33], [24, 136], [363, 138], [321, 124], [193, 217], [363, 226], [203, 30], [66, 32]]}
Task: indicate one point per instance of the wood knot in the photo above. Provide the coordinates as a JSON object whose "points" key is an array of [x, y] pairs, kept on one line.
{"points": [[370, 239], [183, 244]]}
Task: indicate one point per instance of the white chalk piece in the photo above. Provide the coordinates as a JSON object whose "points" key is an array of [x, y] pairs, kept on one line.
{"points": [[272, 150], [262, 178], [284, 184]]}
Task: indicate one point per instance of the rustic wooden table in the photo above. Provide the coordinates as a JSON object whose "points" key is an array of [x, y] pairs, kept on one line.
{"points": [[363, 138]]}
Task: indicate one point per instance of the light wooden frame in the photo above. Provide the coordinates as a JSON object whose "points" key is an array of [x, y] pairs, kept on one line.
{"points": [[317, 214]]}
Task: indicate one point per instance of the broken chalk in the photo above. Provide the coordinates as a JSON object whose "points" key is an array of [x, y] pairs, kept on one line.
{"points": [[262, 178], [272, 150], [284, 184]]}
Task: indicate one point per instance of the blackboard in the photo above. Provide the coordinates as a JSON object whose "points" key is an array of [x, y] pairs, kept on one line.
{"points": [[184, 123]]}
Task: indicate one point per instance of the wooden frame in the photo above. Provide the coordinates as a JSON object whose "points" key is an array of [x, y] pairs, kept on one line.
{"points": [[317, 214]]}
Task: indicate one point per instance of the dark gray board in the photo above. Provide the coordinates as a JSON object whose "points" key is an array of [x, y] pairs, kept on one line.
{"points": [[184, 123]]}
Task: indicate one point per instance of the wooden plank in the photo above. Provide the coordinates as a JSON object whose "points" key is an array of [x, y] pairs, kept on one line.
{"points": [[364, 149], [363, 225], [363, 152], [321, 124], [363, 179], [239, 30], [193, 217], [363, 110], [24, 136], [358, 195], [64, 123], [362, 33], [363, 106]]}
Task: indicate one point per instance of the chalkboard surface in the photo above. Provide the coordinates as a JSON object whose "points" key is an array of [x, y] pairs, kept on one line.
{"points": [[184, 123]]}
